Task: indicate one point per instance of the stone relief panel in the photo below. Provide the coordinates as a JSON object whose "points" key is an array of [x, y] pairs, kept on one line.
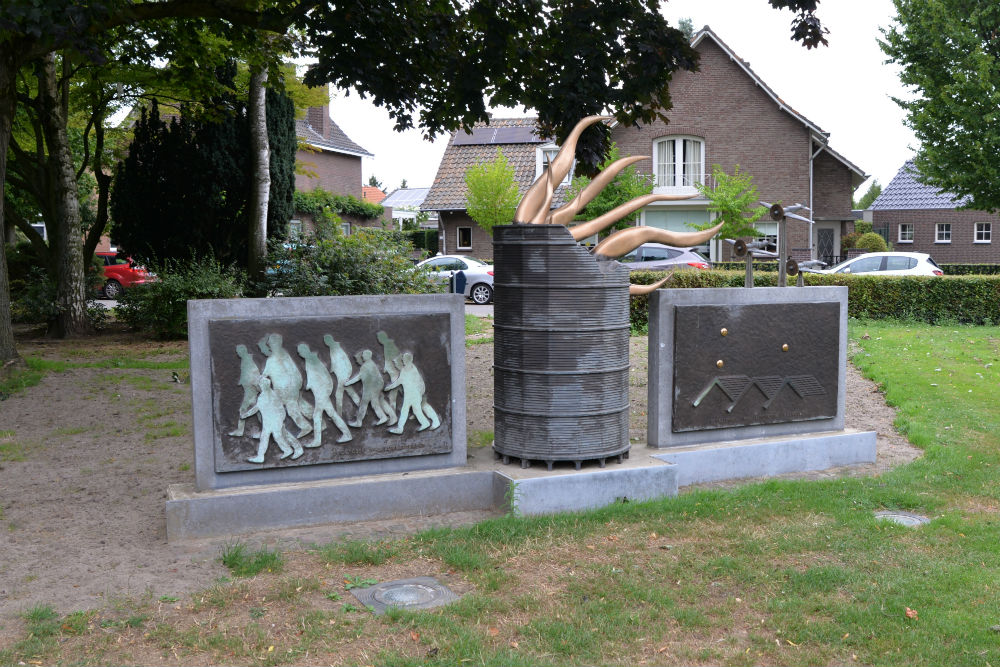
{"points": [[293, 392], [747, 365]]}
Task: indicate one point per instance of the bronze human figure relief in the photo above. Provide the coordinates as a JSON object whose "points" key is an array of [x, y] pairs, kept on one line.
{"points": [[292, 380]]}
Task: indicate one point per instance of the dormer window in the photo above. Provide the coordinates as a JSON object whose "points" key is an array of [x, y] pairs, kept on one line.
{"points": [[680, 162], [543, 157]]}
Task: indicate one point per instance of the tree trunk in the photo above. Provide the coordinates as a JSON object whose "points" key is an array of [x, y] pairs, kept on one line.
{"points": [[9, 358], [66, 242], [260, 189]]}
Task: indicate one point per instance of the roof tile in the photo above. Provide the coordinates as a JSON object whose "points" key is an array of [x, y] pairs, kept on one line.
{"points": [[904, 192], [448, 191]]}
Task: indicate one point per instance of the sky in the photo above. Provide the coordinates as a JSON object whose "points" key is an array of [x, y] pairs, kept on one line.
{"points": [[844, 88]]}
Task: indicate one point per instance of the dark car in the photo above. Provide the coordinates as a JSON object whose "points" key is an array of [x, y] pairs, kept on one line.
{"points": [[659, 257], [121, 273]]}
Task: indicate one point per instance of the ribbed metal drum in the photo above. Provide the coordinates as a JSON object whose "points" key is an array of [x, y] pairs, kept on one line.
{"points": [[561, 332]]}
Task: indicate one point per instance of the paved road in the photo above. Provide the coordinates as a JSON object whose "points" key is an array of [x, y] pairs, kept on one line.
{"points": [[480, 311]]}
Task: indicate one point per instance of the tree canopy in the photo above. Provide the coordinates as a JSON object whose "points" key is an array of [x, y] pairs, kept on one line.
{"points": [[950, 58], [435, 64]]}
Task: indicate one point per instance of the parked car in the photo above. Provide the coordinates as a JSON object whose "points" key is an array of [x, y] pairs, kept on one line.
{"points": [[478, 274], [889, 264], [121, 273], [659, 257]]}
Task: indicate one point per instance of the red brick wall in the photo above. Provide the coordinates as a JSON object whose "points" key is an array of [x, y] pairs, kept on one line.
{"points": [[961, 250], [742, 125], [334, 172], [482, 243], [832, 189]]}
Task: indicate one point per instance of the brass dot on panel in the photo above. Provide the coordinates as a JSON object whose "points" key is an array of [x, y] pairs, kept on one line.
{"points": [[719, 363], [785, 347], [724, 331]]}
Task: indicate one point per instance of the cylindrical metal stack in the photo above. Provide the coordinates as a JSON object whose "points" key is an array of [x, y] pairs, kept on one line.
{"points": [[561, 330]]}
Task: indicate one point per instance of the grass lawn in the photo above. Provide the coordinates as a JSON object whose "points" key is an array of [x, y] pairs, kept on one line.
{"points": [[776, 573]]}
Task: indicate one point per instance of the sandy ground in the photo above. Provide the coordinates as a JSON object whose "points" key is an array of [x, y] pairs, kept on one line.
{"points": [[87, 455]]}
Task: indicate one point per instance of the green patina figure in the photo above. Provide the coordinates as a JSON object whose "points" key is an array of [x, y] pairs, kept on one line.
{"points": [[286, 379], [250, 381], [340, 366], [272, 416], [414, 389], [320, 383], [371, 389]]}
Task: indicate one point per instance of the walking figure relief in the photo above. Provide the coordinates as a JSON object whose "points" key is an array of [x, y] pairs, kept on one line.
{"points": [[279, 392]]}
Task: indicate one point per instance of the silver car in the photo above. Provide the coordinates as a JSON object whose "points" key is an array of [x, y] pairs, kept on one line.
{"points": [[478, 275], [889, 264], [659, 257]]}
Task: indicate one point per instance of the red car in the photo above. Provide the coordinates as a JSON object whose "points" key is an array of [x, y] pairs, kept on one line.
{"points": [[121, 273]]}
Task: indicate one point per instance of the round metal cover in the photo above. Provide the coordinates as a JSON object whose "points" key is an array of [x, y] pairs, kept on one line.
{"points": [[903, 518], [405, 595], [415, 593]]}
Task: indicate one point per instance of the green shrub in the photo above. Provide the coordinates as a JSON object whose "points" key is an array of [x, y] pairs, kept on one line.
{"points": [[862, 227], [871, 242], [369, 261], [849, 240], [964, 299], [424, 239], [33, 297], [160, 306], [970, 269], [320, 204]]}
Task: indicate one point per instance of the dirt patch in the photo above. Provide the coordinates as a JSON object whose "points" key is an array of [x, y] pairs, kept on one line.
{"points": [[86, 457]]}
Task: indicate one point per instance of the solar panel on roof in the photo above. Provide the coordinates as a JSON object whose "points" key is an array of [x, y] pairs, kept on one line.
{"points": [[490, 136]]}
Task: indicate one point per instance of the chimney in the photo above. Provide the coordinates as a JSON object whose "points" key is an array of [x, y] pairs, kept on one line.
{"points": [[319, 119]]}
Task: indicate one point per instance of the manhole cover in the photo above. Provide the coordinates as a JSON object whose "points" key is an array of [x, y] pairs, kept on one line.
{"points": [[416, 593], [903, 518]]}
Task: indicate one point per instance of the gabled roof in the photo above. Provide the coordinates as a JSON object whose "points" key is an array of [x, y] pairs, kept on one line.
{"points": [[336, 141], [514, 136], [406, 197], [818, 134], [904, 192], [372, 194]]}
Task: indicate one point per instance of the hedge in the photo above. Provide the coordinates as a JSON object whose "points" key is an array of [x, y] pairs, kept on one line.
{"points": [[970, 269], [965, 299]]}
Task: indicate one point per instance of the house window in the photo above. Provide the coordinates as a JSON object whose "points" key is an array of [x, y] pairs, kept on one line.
{"points": [[680, 162], [942, 232], [294, 229], [984, 232], [906, 232], [464, 238], [543, 158]]}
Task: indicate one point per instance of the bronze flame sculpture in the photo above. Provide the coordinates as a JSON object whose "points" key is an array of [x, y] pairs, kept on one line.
{"points": [[536, 204], [561, 349]]}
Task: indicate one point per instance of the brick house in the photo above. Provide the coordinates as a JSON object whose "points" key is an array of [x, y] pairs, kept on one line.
{"points": [[919, 218], [525, 151], [723, 114], [331, 162]]}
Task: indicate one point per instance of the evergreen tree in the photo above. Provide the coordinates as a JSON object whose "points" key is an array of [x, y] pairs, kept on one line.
{"points": [[184, 187], [284, 144]]}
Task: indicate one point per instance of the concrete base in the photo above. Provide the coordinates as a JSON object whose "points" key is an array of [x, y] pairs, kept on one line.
{"points": [[487, 484], [765, 457], [640, 477], [195, 514]]}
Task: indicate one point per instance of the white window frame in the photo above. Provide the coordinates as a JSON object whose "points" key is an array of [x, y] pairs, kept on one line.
{"points": [[904, 228], [458, 239], [550, 150], [942, 232], [345, 227], [983, 232], [691, 171]]}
